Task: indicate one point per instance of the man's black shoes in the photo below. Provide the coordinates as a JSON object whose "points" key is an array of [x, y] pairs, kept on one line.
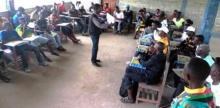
{"points": [[96, 64]]}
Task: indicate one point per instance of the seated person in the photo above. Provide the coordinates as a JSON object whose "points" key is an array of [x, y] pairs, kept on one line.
{"points": [[197, 93], [203, 52], [214, 79], [151, 75], [20, 13], [163, 38], [141, 18], [106, 9], [25, 32], [181, 36], [35, 14], [91, 8], [73, 12], [119, 17], [128, 17], [61, 7], [187, 47], [3, 67], [10, 35], [174, 15], [67, 30], [42, 29], [179, 21], [162, 18], [1, 23], [198, 40]]}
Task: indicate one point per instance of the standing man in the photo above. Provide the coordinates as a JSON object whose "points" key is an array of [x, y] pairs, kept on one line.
{"points": [[96, 24]]}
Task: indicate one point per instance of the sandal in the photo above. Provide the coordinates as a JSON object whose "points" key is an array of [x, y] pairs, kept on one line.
{"points": [[127, 100]]}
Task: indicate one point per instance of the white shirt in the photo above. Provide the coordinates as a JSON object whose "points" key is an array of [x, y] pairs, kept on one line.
{"points": [[164, 23], [215, 89], [119, 15]]}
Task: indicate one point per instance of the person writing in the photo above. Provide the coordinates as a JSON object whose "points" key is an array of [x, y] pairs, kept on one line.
{"points": [[96, 24]]}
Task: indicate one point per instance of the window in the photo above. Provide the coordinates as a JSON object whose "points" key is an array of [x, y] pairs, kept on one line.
{"points": [[3, 5]]}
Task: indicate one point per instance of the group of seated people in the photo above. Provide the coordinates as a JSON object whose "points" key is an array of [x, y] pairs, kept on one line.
{"points": [[42, 29], [164, 38]]}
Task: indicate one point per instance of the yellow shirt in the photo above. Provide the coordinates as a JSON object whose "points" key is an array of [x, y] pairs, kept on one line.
{"points": [[165, 41]]}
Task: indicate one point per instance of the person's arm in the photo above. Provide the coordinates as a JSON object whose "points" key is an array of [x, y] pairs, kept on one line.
{"points": [[151, 61], [98, 24]]}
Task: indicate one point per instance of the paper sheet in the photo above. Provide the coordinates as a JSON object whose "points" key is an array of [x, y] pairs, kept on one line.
{"points": [[15, 43], [110, 19]]}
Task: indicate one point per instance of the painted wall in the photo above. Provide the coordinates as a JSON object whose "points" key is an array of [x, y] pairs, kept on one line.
{"points": [[194, 10]]}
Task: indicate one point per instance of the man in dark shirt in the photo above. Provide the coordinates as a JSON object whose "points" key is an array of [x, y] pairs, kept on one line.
{"points": [[128, 17], [150, 74], [95, 29]]}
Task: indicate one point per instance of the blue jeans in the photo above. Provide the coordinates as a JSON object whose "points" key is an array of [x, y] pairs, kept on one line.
{"points": [[22, 51], [95, 47]]}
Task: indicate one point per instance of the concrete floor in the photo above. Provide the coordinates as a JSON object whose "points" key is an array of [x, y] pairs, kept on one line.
{"points": [[71, 81]]}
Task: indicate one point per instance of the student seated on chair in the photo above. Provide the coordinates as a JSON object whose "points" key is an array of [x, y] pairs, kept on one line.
{"points": [[25, 32], [10, 35], [203, 52], [163, 37], [42, 28], [20, 13], [197, 93], [119, 17], [66, 30], [154, 65]]}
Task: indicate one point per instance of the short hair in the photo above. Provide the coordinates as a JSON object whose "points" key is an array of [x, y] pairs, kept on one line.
{"points": [[205, 48], [157, 23], [200, 37], [96, 6], [189, 21], [199, 69], [161, 46], [21, 9]]}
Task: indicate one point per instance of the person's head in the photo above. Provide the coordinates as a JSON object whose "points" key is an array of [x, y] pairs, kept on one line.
{"points": [[157, 11], [92, 4], [190, 33], [203, 50], [196, 72], [162, 15], [179, 14], [155, 25], [63, 2], [7, 26], [97, 8], [163, 31], [22, 21], [117, 9], [127, 7], [159, 46], [215, 70], [144, 10], [198, 39], [21, 10], [106, 5], [188, 22]]}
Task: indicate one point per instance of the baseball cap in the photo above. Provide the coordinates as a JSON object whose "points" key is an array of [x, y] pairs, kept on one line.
{"points": [[164, 29], [190, 28]]}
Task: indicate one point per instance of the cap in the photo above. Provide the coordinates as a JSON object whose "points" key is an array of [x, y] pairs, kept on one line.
{"points": [[164, 29], [190, 28]]}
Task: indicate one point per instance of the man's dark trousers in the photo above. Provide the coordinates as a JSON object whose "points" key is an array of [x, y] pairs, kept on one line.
{"points": [[95, 47]]}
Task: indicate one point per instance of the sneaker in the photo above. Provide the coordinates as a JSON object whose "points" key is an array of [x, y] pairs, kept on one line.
{"points": [[55, 53], [27, 70], [43, 64], [98, 60], [61, 49], [96, 64]]}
